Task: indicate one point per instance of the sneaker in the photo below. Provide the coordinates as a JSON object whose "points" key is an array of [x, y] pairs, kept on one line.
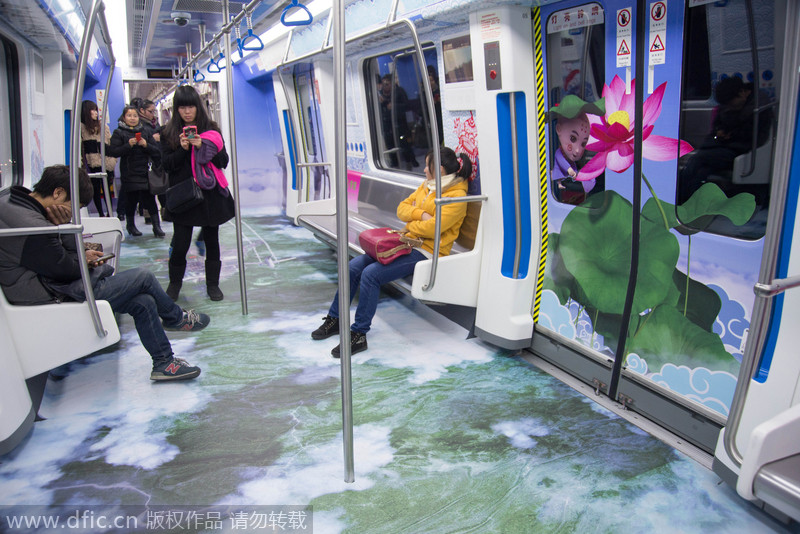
{"points": [[358, 343], [174, 369], [330, 327], [192, 321]]}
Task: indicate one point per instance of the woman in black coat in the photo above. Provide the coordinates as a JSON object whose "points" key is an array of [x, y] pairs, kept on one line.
{"points": [[217, 206], [135, 147]]}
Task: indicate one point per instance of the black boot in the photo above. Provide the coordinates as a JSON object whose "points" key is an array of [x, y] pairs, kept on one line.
{"points": [[132, 230], [157, 231], [176, 272], [212, 279]]}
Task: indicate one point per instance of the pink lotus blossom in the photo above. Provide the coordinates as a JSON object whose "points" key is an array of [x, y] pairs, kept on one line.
{"points": [[613, 135]]}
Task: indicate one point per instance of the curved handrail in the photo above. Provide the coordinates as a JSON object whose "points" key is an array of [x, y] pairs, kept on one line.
{"points": [[97, 11], [302, 8]]}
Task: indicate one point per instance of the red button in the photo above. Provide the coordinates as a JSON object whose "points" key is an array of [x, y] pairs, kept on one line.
{"points": [[493, 74]]}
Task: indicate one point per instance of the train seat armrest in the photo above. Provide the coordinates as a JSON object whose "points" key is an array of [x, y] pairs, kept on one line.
{"points": [[772, 440], [70, 333]]}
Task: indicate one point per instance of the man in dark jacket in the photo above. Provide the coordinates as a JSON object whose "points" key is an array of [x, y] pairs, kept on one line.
{"points": [[42, 269]]}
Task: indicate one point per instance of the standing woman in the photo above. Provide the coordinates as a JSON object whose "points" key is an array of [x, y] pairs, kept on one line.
{"points": [[135, 146], [90, 148], [181, 154]]}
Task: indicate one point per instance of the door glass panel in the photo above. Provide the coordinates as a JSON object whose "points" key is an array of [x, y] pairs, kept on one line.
{"points": [[575, 46], [728, 112], [319, 184]]}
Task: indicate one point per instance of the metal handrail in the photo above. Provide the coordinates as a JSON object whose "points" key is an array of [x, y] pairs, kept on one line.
{"points": [[778, 286], [342, 254], [97, 11], [42, 230], [458, 200], [762, 310], [235, 163], [512, 111]]}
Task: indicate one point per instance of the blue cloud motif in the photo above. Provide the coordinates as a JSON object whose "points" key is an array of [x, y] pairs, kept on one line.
{"points": [[713, 389], [636, 363], [731, 324], [554, 316]]}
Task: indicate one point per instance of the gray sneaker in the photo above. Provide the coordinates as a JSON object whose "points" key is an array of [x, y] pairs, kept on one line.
{"points": [[174, 369], [191, 321]]}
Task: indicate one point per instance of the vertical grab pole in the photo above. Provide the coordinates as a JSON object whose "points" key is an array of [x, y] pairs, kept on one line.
{"points": [[234, 160], [340, 166], [74, 162], [103, 140]]}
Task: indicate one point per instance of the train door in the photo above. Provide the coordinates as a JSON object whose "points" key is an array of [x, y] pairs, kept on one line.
{"points": [[316, 179], [650, 261]]}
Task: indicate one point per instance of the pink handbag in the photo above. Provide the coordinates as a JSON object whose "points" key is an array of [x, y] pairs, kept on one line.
{"points": [[384, 244]]}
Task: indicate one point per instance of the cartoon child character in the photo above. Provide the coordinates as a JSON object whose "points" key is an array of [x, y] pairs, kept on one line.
{"points": [[572, 130]]}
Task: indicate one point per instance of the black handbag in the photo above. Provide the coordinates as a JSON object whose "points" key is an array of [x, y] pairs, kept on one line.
{"points": [[157, 179], [183, 196]]}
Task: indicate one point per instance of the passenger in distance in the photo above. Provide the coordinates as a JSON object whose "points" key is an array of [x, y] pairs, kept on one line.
{"points": [[43, 269], [135, 146], [91, 152], [181, 153], [418, 212]]}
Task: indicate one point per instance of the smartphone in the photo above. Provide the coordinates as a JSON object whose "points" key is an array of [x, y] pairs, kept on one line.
{"points": [[190, 131], [138, 136], [103, 258]]}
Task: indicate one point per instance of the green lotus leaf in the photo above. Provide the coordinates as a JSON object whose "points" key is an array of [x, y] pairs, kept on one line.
{"points": [[651, 212], [704, 303], [595, 245], [666, 336], [556, 276], [711, 200], [658, 255]]}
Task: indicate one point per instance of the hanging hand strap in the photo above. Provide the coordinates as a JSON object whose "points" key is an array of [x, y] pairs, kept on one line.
{"points": [[287, 9]]}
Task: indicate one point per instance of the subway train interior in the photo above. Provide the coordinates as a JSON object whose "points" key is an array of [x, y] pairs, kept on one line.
{"points": [[603, 349]]}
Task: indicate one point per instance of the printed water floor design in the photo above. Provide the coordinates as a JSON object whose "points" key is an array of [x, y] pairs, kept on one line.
{"points": [[451, 435]]}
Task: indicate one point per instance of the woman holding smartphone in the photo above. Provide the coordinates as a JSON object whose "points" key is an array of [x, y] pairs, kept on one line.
{"points": [[135, 146], [185, 140]]}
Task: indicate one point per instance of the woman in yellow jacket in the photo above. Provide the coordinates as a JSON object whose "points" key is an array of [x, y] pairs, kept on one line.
{"points": [[418, 212]]}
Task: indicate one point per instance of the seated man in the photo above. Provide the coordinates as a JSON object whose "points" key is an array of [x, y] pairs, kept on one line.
{"points": [[43, 269]]}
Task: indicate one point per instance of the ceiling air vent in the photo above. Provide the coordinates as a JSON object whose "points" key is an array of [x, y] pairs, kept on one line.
{"points": [[139, 15], [206, 6]]}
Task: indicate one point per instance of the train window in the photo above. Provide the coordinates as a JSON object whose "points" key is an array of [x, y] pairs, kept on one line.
{"points": [[398, 112], [11, 171], [728, 113], [575, 74]]}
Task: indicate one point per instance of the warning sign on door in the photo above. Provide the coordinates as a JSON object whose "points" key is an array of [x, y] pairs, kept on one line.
{"points": [[657, 41], [624, 32]]}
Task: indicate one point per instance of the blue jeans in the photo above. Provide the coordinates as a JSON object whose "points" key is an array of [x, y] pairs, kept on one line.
{"points": [[369, 275], [138, 293]]}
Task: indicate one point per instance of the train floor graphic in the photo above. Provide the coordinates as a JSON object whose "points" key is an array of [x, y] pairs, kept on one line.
{"points": [[451, 434]]}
